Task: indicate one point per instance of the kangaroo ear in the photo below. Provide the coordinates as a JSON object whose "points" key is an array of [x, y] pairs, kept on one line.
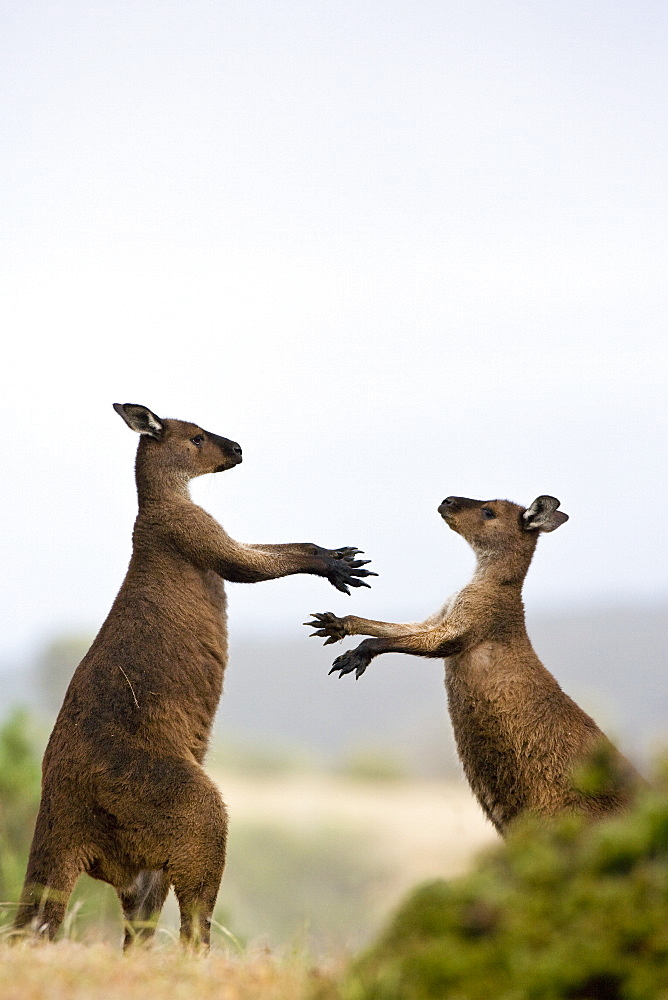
{"points": [[141, 419], [543, 515]]}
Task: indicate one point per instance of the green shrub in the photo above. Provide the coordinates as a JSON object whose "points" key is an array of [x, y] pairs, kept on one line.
{"points": [[561, 910], [19, 800]]}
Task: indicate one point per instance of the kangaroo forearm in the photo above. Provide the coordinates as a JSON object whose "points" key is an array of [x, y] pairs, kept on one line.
{"points": [[204, 543], [305, 548], [352, 625], [416, 644], [358, 659], [252, 564], [411, 637], [434, 637], [243, 563]]}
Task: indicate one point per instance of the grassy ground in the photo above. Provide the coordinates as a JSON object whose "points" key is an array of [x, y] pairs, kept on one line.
{"points": [[70, 971]]}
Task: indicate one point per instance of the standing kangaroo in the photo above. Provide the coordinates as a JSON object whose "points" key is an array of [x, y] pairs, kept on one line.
{"points": [[519, 736], [124, 794]]}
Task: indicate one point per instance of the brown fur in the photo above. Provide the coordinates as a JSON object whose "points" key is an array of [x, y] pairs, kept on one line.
{"points": [[124, 795], [519, 736]]}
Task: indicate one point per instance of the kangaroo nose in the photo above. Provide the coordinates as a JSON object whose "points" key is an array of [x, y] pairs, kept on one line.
{"points": [[236, 448], [458, 503], [449, 506]]}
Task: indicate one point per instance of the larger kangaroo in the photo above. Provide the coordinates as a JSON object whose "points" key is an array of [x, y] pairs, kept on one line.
{"points": [[519, 736], [124, 795]]}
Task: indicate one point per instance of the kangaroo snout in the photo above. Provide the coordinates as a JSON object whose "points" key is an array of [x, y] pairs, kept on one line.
{"points": [[452, 504], [230, 449]]}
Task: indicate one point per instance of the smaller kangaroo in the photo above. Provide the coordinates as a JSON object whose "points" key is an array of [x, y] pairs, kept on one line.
{"points": [[124, 795], [519, 736]]}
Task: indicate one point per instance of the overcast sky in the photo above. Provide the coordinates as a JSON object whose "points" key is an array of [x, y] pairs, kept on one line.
{"points": [[396, 250]]}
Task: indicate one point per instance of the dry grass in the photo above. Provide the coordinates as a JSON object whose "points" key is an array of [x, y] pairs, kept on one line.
{"points": [[70, 971]]}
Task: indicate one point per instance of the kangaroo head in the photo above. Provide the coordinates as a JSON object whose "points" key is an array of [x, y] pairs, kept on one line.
{"points": [[499, 526], [176, 447]]}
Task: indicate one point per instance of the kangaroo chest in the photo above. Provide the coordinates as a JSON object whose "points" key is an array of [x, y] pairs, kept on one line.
{"points": [[490, 708]]}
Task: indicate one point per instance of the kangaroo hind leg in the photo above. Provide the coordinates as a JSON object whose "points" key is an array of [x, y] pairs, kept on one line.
{"points": [[198, 859], [49, 882], [141, 904]]}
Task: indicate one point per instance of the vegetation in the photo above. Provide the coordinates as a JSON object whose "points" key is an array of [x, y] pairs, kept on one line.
{"points": [[19, 800], [562, 910], [68, 971]]}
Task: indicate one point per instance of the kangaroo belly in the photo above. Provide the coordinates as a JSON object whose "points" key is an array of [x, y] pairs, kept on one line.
{"points": [[502, 704], [519, 736]]}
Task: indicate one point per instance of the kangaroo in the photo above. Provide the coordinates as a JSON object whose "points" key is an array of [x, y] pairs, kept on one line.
{"points": [[124, 794], [519, 736]]}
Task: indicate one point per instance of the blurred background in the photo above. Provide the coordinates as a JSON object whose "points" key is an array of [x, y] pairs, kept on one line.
{"points": [[397, 251]]}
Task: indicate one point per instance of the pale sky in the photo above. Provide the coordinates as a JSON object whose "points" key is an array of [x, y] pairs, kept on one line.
{"points": [[396, 250]]}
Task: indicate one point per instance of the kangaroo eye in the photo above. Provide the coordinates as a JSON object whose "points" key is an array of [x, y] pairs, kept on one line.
{"points": [[197, 439], [487, 513]]}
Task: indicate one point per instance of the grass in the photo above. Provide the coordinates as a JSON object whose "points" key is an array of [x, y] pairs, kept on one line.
{"points": [[71, 971]]}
